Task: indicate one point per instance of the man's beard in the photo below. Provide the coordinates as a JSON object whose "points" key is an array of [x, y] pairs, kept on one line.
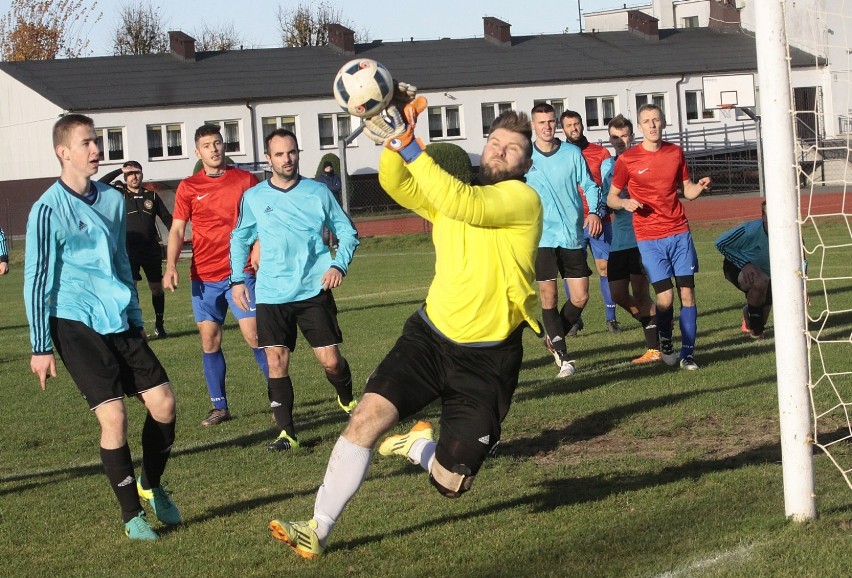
{"points": [[489, 176]]}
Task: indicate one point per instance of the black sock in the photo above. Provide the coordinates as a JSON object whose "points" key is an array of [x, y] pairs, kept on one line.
{"points": [[570, 313], [281, 399], [118, 467], [555, 331], [159, 303], [755, 319], [157, 440], [342, 383], [649, 328]]}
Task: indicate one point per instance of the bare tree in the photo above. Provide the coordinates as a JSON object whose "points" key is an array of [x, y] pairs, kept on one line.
{"points": [[305, 25], [46, 29], [140, 30], [223, 37]]}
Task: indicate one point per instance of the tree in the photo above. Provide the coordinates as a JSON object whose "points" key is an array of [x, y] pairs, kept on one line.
{"points": [[140, 30], [225, 37], [452, 158], [305, 25], [46, 29]]}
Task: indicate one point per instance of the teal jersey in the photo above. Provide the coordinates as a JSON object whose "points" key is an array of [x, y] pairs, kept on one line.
{"points": [[746, 244], [555, 176], [76, 264], [623, 236], [289, 225], [4, 253]]}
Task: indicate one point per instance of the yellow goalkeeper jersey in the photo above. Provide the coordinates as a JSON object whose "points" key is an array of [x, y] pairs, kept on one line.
{"points": [[486, 241]]}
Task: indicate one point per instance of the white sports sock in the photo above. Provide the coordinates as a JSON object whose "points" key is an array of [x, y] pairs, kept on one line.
{"points": [[422, 452], [347, 468]]}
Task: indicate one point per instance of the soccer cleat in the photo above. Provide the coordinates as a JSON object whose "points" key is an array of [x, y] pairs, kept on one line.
{"points": [[139, 529], [283, 443], [650, 356], [552, 351], [688, 363], [566, 368], [216, 416], [667, 352], [613, 326], [756, 335], [161, 502], [744, 327], [578, 326], [300, 536], [160, 331], [401, 444], [350, 407]]}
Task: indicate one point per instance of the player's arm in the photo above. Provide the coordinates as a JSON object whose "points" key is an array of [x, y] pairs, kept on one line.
{"points": [[347, 237], [242, 238], [693, 190], [620, 177], [731, 243], [162, 211], [110, 176], [4, 254], [173, 249], [39, 267], [125, 274]]}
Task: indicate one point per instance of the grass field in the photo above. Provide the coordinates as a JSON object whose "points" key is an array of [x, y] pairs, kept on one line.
{"points": [[617, 471]]}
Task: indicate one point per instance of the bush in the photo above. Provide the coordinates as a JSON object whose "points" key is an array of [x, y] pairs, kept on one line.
{"points": [[452, 158]]}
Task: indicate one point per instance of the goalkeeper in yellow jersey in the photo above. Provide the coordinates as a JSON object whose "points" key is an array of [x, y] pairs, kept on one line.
{"points": [[463, 346]]}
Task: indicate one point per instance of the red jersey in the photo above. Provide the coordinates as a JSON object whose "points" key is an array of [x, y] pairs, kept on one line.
{"points": [[594, 154], [213, 205], [653, 178]]}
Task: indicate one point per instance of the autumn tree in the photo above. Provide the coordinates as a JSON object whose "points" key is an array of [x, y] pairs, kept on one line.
{"points": [[46, 29], [305, 25], [222, 37], [140, 30]]}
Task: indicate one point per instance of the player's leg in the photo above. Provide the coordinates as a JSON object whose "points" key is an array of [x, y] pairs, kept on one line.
{"points": [[657, 263], [756, 288], [153, 268], [209, 307], [647, 315], [600, 247], [547, 270], [685, 264], [248, 324], [317, 318], [276, 336]]}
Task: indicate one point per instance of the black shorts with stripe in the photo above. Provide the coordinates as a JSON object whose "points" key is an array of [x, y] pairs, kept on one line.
{"points": [[317, 318], [622, 264], [475, 384], [551, 262], [106, 367]]}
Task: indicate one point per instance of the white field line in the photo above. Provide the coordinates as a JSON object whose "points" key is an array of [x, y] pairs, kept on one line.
{"points": [[699, 566]]}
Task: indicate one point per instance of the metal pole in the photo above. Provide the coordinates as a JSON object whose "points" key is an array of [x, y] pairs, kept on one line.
{"points": [[344, 173], [759, 145], [785, 250]]}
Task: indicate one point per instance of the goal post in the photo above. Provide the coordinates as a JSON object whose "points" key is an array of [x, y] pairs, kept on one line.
{"points": [[785, 242]]}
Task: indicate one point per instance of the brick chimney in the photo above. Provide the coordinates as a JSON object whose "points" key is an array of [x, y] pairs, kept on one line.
{"points": [[183, 45], [341, 39], [724, 15], [497, 31], [643, 25]]}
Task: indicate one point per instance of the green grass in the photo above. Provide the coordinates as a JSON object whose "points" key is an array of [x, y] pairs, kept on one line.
{"points": [[617, 471]]}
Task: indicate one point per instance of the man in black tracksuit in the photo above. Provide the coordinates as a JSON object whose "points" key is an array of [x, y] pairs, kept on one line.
{"points": [[143, 239]]}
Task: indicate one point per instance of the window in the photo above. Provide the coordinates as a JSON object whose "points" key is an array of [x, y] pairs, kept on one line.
{"points": [[333, 128], [444, 122], [599, 111], [490, 111], [689, 22], [657, 98], [558, 105], [271, 123], [695, 107], [110, 143], [165, 141], [230, 134]]}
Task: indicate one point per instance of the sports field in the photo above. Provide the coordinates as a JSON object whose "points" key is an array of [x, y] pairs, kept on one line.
{"points": [[617, 471]]}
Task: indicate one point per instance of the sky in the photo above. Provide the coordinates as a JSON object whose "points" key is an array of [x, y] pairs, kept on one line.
{"points": [[386, 20]]}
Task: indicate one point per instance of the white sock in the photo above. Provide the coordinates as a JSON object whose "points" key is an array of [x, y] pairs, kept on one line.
{"points": [[347, 468], [422, 452]]}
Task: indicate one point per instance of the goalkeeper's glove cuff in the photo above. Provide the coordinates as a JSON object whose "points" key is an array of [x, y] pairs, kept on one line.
{"points": [[411, 150]]}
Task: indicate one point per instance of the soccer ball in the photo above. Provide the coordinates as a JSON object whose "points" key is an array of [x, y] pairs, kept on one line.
{"points": [[363, 87]]}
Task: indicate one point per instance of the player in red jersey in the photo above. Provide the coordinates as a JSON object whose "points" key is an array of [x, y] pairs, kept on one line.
{"points": [[210, 199], [653, 172], [595, 155]]}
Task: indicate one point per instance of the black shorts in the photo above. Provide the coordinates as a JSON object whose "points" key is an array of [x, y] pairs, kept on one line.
{"points": [[316, 317], [475, 384], [106, 367], [553, 261], [622, 264], [732, 274], [150, 262]]}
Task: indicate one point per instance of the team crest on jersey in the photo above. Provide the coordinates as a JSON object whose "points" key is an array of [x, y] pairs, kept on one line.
{"points": [[149, 204]]}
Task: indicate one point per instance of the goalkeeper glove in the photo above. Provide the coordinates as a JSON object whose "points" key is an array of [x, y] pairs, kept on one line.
{"points": [[395, 130]]}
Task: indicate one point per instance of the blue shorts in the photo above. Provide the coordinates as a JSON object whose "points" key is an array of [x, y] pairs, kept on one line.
{"points": [[669, 257], [211, 299], [599, 245]]}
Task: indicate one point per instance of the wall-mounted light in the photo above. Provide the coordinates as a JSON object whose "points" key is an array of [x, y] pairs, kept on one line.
{"points": [[450, 96]]}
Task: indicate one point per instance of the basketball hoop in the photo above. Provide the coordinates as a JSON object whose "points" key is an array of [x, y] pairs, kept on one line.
{"points": [[726, 109]]}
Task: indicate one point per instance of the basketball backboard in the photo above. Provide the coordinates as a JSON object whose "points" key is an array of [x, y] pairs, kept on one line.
{"points": [[728, 90]]}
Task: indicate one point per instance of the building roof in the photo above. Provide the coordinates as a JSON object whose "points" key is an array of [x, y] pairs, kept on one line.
{"points": [[122, 82]]}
